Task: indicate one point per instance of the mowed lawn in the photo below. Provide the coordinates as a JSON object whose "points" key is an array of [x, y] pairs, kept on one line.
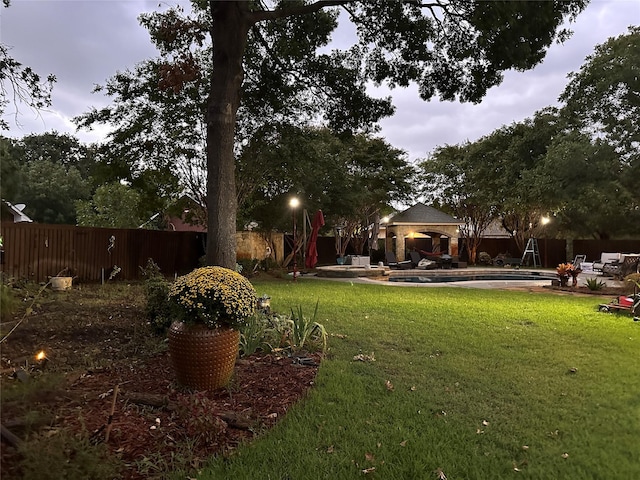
{"points": [[466, 384]]}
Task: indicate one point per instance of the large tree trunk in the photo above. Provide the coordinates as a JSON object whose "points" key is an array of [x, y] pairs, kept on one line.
{"points": [[229, 35]]}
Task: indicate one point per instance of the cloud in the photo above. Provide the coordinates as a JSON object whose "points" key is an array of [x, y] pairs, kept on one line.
{"points": [[419, 127]]}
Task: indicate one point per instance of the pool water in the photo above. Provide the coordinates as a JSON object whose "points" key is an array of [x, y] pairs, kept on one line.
{"points": [[473, 278]]}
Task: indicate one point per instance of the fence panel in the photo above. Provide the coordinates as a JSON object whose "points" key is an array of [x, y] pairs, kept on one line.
{"points": [[594, 248], [38, 251]]}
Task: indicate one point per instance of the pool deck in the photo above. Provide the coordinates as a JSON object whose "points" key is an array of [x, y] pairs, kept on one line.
{"points": [[381, 276]]}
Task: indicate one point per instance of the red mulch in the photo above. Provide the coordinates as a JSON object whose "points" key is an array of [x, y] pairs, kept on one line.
{"points": [[263, 388], [97, 338]]}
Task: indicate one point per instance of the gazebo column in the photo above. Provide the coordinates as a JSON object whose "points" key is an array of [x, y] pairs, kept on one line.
{"points": [[402, 234], [435, 242], [388, 242], [400, 248], [453, 245]]}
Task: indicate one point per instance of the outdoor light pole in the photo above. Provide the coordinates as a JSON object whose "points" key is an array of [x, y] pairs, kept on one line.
{"points": [[545, 220], [293, 203]]}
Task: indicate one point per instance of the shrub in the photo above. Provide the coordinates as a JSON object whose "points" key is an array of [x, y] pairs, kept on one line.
{"points": [[8, 301], [632, 283], [247, 266], [157, 309], [156, 289], [484, 258], [268, 264], [594, 284]]}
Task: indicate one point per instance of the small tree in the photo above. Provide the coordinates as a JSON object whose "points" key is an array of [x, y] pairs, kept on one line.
{"points": [[450, 178], [113, 205]]}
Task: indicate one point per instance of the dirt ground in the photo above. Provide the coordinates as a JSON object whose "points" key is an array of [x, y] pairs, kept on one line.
{"points": [[100, 353]]}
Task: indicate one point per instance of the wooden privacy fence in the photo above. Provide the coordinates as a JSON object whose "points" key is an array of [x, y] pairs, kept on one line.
{"points": [[38, 251], [594, 248]]}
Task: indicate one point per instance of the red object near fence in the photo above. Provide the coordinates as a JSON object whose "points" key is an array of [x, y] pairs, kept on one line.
{"points": [[312, 246]]}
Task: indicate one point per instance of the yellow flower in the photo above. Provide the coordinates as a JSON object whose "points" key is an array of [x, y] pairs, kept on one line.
{"points": [[215, 296]]}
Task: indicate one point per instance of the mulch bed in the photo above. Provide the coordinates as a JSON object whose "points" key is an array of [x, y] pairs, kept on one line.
{"points": [[153, 415], [583, 290]]}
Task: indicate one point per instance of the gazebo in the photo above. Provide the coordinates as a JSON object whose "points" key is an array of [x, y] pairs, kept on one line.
{"points": [[422, 228]]}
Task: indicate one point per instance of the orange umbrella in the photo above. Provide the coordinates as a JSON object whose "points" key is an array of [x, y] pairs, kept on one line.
{"points": [[312, 249]]}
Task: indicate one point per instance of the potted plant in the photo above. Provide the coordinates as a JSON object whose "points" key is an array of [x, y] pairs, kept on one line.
{"points": [[208, 305], [566, 270], [575, 271]]}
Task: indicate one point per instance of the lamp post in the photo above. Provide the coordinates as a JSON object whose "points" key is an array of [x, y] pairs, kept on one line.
{"points": [[545, 220], [294, 203]]}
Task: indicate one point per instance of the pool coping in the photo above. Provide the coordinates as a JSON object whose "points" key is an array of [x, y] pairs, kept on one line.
{"points": [[381, 275]]}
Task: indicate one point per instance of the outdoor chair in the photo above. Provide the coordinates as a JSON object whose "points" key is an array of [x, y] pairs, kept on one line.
{"points": [[605, 258], [435, 255], [618, 265], [630, 264], [421, 263], [393, 262], [577, 262]]}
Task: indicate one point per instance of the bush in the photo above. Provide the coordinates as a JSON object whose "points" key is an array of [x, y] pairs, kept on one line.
{"points": [[484, 258], [268, 264], [8, 301], [247, 266], [594, 284], [156, 289], [632, 283]]}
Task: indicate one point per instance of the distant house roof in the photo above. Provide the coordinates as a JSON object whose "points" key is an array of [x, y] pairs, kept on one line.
{"points": [[495, 230], [421, 214], [15, 211], [178, 224]]}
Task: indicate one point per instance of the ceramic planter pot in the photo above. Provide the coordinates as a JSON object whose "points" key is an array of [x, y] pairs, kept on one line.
{"points": [[203, 358], [61, 283]]}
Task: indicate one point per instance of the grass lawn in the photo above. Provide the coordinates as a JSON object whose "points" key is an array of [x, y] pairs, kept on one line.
{"points": [[467, 384]]}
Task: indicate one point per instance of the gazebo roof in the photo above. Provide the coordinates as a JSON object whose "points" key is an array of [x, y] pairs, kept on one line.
{"points": [[421, 214]]}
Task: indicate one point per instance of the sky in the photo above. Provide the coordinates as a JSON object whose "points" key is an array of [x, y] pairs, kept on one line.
{"points": [[85, 42]]}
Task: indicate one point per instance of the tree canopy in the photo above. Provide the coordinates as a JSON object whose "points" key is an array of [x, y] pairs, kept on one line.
{"points": [[48, 173], [352, 179], [451, 180], [113, 205], [603, 98]]}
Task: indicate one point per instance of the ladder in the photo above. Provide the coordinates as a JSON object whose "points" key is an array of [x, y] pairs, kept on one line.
{"points": [[532, 249]]}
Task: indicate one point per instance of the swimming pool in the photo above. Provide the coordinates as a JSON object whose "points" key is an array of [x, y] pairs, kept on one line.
{"points": [[473, 277]]}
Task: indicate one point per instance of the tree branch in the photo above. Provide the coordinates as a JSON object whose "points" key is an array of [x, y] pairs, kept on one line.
{"points": [[260, 16]]}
